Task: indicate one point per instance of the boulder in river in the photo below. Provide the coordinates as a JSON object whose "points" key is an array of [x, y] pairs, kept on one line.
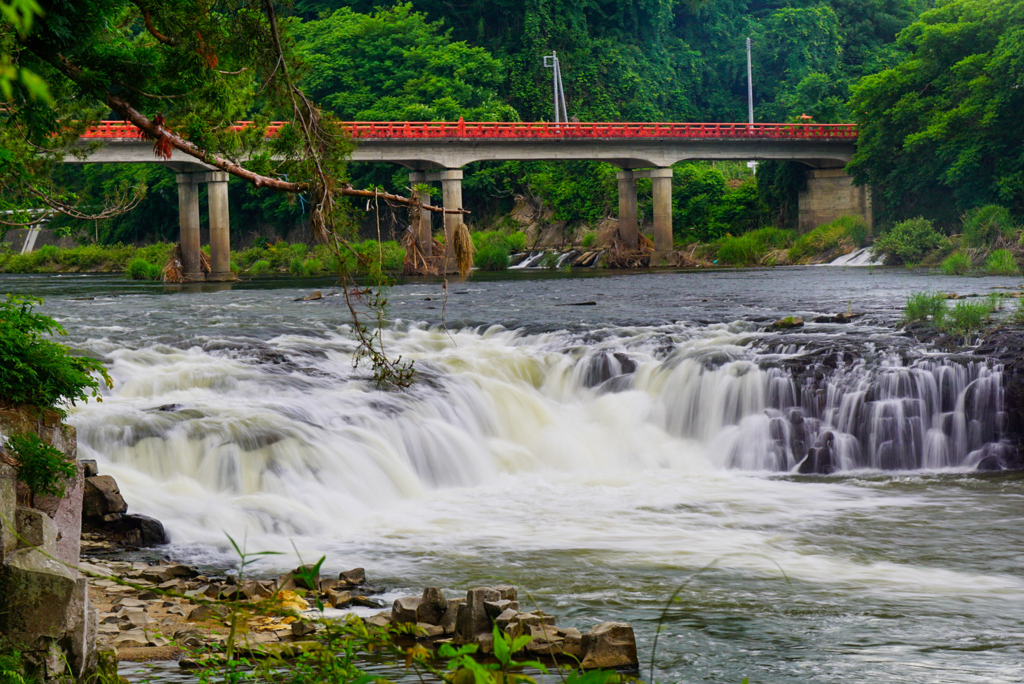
{"points": [[610, 645]]}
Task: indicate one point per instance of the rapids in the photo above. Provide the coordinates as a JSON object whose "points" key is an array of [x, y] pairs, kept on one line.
{"points": [[597, 456]]}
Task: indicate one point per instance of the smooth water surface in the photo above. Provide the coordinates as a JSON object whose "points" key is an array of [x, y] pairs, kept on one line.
{"points": [[599, 456]]}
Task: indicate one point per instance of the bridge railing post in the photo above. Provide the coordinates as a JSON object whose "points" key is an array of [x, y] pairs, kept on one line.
{"points": [[188, 222]]}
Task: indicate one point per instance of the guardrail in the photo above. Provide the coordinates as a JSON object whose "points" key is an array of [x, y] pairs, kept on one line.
{"points": [[420, 130]]}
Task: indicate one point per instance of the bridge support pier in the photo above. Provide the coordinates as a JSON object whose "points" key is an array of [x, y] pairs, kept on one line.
{"points": [[451, 194], [188, 223], [830, 194], [451, 197], [661, 189], [422, 219], [220, 227], [628, 230]]}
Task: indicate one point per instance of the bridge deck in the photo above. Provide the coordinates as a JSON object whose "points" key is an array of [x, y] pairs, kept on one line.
{"points": [[420, 130]]}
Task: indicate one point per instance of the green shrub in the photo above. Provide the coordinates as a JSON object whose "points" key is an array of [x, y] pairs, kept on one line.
{"points": [[957, 263], [312, 267], [909, 242], [924, 306], [516, 241], [588, 240], [261, 267], [493, 257], [41, 467], [299, 249], [295, 266], [248, 257], [985, 225], [155, 254], [140, 269], [1002, 262], [38, 371]]}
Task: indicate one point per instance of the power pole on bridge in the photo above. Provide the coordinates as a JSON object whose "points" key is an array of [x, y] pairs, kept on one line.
{"points": [[752, 165], [551, 62]]}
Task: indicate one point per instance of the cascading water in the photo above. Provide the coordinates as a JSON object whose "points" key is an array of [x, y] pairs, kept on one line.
{"points": [[293, 438], [598, 456]]}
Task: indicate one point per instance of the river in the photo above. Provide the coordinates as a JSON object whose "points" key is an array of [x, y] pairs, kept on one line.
{"points": [[598, 456]]}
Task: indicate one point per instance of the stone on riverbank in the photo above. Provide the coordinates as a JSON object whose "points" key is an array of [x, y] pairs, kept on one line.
{"points": [[609, 645]]}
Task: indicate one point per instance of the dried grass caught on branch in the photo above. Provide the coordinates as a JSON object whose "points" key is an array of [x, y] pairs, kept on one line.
{"points": [[174, 272], [462, 245], [622, 256]]}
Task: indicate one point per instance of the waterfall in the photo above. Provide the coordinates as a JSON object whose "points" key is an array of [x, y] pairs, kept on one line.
{"points": [[288, 437]]}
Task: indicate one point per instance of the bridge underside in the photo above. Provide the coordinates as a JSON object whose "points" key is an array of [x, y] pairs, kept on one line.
{"points": [[829, 193]]}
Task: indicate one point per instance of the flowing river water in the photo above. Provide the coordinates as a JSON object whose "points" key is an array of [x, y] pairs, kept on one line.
{"points": [[596, 455]]}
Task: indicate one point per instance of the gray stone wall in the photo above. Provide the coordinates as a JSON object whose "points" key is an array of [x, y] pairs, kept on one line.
{"points": [[44, 601]]}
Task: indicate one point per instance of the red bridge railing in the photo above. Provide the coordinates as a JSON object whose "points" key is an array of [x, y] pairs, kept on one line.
{"points": [[419, 130]]}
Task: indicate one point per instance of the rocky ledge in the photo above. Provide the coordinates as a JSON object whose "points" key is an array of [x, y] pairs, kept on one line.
{"points": [[165, 610], [471, 620]]}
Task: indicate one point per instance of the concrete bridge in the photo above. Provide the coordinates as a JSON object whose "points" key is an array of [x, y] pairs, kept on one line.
{"points": [[437, 152]]}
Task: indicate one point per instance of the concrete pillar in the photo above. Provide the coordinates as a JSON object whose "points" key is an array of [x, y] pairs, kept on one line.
{"points": [[451, 193], [661, 182], [830, 194], [220, 227], [422, 220], [188, 221], [628, 230]]}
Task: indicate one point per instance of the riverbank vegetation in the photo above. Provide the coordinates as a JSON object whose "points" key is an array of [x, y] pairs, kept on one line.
{"points": [[965, 318], [939, 157]]}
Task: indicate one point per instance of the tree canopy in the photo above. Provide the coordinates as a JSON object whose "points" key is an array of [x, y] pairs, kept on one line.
{"points": [[943, 130]]}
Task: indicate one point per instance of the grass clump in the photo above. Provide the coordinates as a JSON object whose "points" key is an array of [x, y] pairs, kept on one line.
{"points": [[140, 269], [588, 240], [1002, 262], [751, 248], [986, 225], [957, 263], [925, 306], [38, 371], [964, 318], [909, 242], [43, 468], [842, 236]]}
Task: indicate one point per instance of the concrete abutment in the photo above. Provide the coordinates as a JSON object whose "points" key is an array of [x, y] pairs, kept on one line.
{"points": [[829, 195]]}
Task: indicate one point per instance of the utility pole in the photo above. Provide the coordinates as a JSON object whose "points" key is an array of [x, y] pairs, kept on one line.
{"points": [[750, 85], [551, 62], [752, 165]]}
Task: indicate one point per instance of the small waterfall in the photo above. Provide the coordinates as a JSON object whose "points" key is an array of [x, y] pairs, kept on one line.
{"points": [[289, 438]]}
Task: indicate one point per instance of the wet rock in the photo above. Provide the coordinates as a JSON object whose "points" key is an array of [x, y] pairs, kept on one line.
{"points": [[102, 497], [788, 323], [609, 645], [502, 621], [379, 620], [354, 577], [432, 606], [339, 599], [304, 577], [450, 616], [572, 642], [428, 630], [89, 468], [301, 628], [838, 318], [311, 297], [821, 459], [471, 618], [404, 609], [496, 608]]}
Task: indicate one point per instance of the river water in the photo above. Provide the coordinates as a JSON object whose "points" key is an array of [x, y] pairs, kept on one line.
{"points": [[599, 456]]}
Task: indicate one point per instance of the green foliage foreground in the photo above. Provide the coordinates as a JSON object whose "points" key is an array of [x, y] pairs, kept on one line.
{"points": [[41, 467], [37, 371]]}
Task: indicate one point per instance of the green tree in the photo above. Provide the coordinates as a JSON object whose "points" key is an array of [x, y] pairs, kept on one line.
{"points": [[394, 65], [941, 130]]}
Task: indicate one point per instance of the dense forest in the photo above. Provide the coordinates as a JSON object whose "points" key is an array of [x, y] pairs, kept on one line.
{"points": [[937, 91]]}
